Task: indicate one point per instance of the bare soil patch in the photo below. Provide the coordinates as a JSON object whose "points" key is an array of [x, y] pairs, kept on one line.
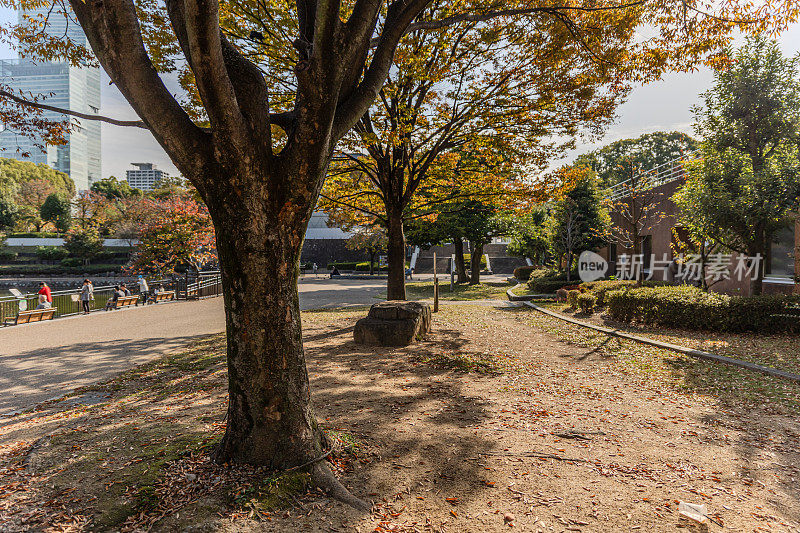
{"points": [[500, 420]]}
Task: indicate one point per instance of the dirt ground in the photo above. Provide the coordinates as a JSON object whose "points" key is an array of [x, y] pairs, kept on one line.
{"points": [[498, 421]]}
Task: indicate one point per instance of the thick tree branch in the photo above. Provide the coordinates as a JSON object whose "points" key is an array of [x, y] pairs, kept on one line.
{"points": [[201, 20], [86, 116]]}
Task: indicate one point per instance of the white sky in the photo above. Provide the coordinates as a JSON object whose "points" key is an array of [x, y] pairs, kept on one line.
{"points": [[662, 105]]}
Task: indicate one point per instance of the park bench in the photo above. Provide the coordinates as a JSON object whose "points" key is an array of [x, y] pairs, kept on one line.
{"points": [[126, 301], [166, 295], [35, 315]]}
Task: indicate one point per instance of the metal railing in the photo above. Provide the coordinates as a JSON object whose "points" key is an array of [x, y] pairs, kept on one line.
{"points": [[193, 285], [664, 173]]}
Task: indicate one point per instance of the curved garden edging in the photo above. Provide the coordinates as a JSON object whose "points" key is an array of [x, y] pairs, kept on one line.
{"points": [[699, 354]]}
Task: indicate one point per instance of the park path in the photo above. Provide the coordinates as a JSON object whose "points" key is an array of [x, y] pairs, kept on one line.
{"points": [[42, 361]]}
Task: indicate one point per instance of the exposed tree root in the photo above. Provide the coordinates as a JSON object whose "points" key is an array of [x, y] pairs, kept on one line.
{"points": [[323, 477]]}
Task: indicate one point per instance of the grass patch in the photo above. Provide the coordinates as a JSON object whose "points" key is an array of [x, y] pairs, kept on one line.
{"points": [[481, 291], [465, 362]]}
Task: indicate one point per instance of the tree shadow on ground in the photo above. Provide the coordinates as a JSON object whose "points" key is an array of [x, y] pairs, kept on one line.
{"points": [[35, 376]]}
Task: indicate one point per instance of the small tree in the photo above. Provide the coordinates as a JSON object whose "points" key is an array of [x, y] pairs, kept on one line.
{"points": [[84, 243], [370, 239], [175, 231], [579, 221], [57, 210], [528, 233]]}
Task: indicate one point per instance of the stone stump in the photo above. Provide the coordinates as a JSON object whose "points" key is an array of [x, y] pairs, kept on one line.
{"points": [[393, 323]]}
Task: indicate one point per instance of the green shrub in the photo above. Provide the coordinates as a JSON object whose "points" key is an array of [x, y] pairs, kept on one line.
{"points": [[343, 265], [561, 295], [364, 266], [71, 262], [572, 298], [547, 281], [35, 235], [51, 253], [691, 308], [524, 273], [7, 257], [586, 302]]}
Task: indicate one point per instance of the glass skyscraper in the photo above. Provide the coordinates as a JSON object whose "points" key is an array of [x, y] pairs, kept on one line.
{"points": [[61, 85]]}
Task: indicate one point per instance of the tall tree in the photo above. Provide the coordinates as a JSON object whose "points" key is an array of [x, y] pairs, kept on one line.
{"points": [[474, 100], [528, 235], [114, 189], [579, 221], [258, 133], [747, 185]]}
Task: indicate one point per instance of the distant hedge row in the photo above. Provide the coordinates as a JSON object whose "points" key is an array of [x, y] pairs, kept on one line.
{"points": [[360, 266], [689, 307]]}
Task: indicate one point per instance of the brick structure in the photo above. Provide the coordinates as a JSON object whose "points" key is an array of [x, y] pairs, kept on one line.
{"points": [[658, 239]]}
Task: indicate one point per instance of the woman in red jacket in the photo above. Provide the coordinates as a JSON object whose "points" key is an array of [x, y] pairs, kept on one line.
{"points": [[45, 297]]}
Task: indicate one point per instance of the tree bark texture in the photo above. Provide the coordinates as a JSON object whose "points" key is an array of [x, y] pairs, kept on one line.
{"points": [[461, 268], [396, 256], [270, 418], [475, 264]]}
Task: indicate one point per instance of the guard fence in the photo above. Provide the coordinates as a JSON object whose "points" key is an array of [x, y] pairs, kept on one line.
{"points": [[192, 286]]}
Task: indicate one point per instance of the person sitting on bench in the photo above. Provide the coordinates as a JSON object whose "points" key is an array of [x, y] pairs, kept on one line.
{"points": [[45, 297], [112, 302]]}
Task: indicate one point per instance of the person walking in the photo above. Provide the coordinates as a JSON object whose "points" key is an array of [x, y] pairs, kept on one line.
{"points": [[144, 290], [314, 267], [87, 295], [45, 296]]}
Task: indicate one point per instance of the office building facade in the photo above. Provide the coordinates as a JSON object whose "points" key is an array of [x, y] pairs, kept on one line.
{"points": [[60, 85], [145, 176]]}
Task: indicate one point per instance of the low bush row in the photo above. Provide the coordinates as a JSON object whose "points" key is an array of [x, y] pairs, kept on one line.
{"points": [[547, 281], [691, 308]]}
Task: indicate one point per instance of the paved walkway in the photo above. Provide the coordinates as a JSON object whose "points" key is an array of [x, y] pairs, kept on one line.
{"points": [[47, 360]]}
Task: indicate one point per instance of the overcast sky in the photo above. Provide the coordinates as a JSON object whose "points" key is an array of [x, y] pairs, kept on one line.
{"points": [[662, 105]]}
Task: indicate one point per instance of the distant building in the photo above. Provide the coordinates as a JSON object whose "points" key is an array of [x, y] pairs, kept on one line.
{"points": [[61, 85], [145, 176]]}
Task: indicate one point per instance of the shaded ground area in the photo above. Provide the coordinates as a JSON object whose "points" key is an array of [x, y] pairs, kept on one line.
{"points": [[49, 359], [500, 417]]}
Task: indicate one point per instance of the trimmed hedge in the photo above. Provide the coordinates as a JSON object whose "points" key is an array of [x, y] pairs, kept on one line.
{"points": [[343, 265], [689, 307], [587, 302], [548, 281], [51, 253], [524, 273]]}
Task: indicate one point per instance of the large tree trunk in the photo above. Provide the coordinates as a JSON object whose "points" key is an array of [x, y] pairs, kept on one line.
{"points": [[461, 268], [270, 421], [475, 264], [396, 252]]}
